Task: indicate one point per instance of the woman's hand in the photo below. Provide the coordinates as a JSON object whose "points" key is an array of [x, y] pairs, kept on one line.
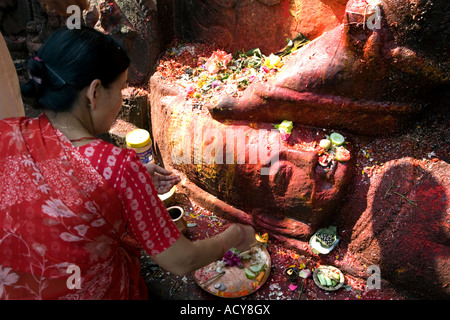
{"points": [[185, 256], [247, 237], [163, 180], [60, 6]]}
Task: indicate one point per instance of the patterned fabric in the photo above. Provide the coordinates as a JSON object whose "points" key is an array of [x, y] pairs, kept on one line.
{"points": [[58, 213], [147, 217]]}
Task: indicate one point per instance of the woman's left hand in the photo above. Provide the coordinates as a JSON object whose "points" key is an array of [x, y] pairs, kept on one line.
{"points": [[163, 180]]}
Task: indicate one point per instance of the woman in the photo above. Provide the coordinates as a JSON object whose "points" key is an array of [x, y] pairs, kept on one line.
{"points": [[69, 200], [11, 104]]}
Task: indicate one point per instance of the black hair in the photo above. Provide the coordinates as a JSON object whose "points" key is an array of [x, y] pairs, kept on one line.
{"points": [[68, 61]]}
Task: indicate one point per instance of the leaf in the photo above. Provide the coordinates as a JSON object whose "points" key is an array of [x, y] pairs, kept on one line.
{"points": [[254, 52], [69, 237]]}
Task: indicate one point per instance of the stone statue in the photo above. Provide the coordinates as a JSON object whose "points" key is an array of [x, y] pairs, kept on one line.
{"points": [[363, 80], [368, 73], [136, 25]]}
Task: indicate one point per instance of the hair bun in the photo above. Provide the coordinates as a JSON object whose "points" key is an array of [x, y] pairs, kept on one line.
{"points": [[36, 73], [36, 69]]}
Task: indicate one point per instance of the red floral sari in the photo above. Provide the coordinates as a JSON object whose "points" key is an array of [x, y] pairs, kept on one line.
{"points": [[59, 219]]}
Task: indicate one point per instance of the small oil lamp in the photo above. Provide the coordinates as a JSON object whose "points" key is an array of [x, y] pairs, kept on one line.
{"points": [[292, 273]]}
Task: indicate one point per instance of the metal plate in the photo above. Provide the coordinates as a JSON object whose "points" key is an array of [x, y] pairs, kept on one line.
{"points": [[237, 284]]}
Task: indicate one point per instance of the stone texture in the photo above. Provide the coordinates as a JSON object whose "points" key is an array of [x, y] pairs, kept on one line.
{"points": [[294, 199], [352, 78], [391, 204], [141, 26], [404, 227], [247, 24]]}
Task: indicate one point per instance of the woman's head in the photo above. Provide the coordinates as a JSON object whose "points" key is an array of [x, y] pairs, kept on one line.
{"points": [[68, 62]]}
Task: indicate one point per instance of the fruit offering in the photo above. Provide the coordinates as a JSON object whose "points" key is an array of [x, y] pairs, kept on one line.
{"points": [[328, 277], [325, 239], [254, 270], [332, 148], [327, 236], [337, 138]]}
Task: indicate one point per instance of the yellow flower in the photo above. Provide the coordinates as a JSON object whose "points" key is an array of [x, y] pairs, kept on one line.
{"points": [[273, 61], [200, 83], [264, 238]]}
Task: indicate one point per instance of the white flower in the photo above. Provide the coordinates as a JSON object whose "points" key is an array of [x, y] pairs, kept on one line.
{"points": [[69, 237], [134, 204], [56, 208], [6, 278], [90, 206], [123, 183], [166, 232], [39, 248], [134, 166], [107, 173], [148, 189], [150, 244], [138, 215], [98, 222], [142, 225], [100, 248], [14, 137], [116, 151], [162, 222], [142, 177], [129, 193], [111, 161], [82, 229], [89, 151]]}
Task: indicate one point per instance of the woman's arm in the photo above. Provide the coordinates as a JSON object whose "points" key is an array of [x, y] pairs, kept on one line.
{"points": [[185, 256]]}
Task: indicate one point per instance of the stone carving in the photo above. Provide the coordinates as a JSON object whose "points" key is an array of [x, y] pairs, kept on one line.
{"points": [[361, 80], [371, 83], [26, 24], [237, 25], [135, 24]]}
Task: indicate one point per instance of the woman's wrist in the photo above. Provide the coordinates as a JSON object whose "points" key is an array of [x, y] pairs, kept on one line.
{"points": [[235, 236], [224, 248], [243, 234]]}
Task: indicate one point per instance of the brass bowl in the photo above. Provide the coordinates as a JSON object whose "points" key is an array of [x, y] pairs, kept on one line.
{"points": [[167, 197], [177, 215]]}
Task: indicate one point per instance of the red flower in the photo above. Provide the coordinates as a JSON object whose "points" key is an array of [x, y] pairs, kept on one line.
{"points": [[232, 259], [218, 61]]}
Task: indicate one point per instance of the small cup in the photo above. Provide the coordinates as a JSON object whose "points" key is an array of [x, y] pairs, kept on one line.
{"points": [[176, 213]]}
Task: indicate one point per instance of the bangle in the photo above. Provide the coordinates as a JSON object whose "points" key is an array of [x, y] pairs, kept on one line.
{"points": [[243, 235], [224, 249]]}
